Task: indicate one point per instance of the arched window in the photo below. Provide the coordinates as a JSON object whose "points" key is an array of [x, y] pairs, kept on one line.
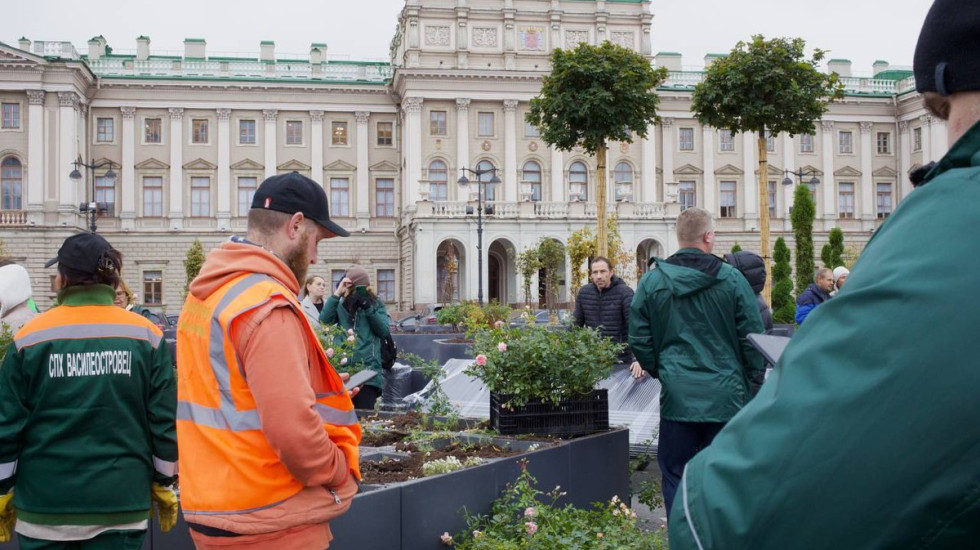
{"points": [[623, 178], [531, 178], [438, 181], [489, 189], [11, 183], [578, 181]]}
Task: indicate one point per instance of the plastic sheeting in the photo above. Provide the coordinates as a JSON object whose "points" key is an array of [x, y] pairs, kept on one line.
{"points": [[634, 404]]}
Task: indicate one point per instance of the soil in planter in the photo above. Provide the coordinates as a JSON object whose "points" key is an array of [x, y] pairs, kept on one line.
{"points": [[410, 467], [404, 423], [371, 438]]}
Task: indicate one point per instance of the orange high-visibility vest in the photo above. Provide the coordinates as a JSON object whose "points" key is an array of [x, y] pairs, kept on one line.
{"points": [[226, 463]]}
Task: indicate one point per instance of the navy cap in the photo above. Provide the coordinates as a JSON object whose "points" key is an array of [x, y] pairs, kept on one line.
{"points": [[82, 252], [294, 192], [947, 55]]}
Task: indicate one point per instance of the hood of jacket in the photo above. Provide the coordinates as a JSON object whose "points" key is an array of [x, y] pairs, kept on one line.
{"points": [[235, 257], [15, 287], [690, 271]]}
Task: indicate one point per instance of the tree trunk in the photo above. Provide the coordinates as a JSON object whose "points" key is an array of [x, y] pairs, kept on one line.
{"points": [[602, 246], [764, 216]]}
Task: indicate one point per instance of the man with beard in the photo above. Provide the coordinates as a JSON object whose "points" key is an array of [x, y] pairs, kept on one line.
{"points": [[267, 431]]}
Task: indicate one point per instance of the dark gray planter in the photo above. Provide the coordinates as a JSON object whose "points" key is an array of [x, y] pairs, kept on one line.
{"points": [[427, 346], [590, 469]]}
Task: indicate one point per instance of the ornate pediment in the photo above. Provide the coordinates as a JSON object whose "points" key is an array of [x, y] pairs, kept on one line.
{"points": [[772, 170], [340, 166], [384, 166], [200, 164], [729, 170], [847, 172], [107, 163], [152, 164], [885, 172], [13, 56], [293, 165], [247, 164], [688, 170]]}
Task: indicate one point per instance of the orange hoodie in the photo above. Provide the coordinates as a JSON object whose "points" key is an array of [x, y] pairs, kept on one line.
{"points": [[277, 362]]}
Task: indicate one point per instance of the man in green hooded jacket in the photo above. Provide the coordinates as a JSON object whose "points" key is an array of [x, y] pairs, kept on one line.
{"points": [[866, 435], [688, 326]]}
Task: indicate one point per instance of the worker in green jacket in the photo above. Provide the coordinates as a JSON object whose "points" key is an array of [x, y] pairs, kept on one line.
{"points": [[688, 326], [867, 434]]}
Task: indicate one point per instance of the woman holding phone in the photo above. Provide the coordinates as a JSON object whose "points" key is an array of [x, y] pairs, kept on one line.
{"points": [[354, 306]]}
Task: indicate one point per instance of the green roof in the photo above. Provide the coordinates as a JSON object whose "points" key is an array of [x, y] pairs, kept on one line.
{"points": [[894, 74]]}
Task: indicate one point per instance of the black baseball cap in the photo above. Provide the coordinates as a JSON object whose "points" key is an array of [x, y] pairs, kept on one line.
{"points": [[294, 192], [82, 252], [947, 55]]}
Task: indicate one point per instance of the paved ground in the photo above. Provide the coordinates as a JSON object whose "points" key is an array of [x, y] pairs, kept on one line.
{"points": [[648, 519]]}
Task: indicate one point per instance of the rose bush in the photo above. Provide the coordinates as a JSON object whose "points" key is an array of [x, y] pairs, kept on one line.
{"points": [[538, 362]]}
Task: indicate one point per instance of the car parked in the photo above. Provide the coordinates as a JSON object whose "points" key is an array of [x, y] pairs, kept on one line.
{"points": [[425, 321], [168, 324], [542, 317]]}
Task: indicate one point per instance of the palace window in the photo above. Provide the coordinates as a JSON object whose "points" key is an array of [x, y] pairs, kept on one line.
{"points": [[11, 182], [438, 181], [384, 197], [339, 197], [152, 196]]}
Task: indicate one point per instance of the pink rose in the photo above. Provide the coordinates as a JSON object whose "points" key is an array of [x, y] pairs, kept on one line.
{"points": [[350, 338], [481, 360], [529, 512], [329, 352], [501, 347], [531, 527], [446, 538], [350, 331]]}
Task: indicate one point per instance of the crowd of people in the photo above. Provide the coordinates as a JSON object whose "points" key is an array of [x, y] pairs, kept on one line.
{"points": [[860, 439]]}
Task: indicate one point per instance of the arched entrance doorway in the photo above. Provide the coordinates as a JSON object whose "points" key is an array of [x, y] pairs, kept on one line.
{"points": [[450, 260], [648, 248], [501, 272]]}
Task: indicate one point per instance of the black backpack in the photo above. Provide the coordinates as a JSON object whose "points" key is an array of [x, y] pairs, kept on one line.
{"points": [[388, 352]]}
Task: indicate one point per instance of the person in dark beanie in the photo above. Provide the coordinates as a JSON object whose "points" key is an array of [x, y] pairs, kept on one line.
{"points": [[866, 433], [87, 411], [751, 266]]}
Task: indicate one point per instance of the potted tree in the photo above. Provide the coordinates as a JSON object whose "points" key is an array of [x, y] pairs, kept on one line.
{"points": [[542, 380]]}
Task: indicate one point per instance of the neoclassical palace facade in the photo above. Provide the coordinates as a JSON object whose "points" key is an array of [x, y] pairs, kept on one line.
{"points": [[189, 138]]}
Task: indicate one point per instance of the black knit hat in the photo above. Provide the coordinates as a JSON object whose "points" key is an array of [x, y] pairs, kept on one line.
{"points": [[947, 56], [294, 192]]}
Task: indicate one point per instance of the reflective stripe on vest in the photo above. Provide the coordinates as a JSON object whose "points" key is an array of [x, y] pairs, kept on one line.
{"points": [[219, 428]]}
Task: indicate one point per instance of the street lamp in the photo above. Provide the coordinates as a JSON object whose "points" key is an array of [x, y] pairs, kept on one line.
{"points": [[463, 181], [800, 173], [92, 206]]}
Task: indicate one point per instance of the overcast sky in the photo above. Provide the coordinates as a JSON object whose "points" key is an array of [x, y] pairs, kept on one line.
{"points": [[859, 30]]}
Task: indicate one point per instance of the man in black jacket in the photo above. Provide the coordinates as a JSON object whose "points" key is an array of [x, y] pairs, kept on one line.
{"points": [[604, 304]]}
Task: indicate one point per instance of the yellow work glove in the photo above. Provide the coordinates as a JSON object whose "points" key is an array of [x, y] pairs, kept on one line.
{"points": [[8, 516], [165, 502]]}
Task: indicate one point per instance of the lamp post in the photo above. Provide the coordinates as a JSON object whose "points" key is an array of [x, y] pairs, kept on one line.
{"points": [[92, 206], [463, 182], [800, 173]]}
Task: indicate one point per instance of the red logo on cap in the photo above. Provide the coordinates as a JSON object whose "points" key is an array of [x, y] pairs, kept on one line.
{"points": [[268, 201]]}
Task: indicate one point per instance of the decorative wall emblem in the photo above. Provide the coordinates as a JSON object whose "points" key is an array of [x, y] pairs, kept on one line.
{"points": [[485, 145], [624, 148], [438, 145], [572, 38], [485, 37], [436, 36], [533, 146], [531, 39], [624, 39]]}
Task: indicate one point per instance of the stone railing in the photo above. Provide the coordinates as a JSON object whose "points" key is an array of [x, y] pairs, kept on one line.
{"points": [[240, 68], [13, 217], [542, 210], [852, 84]]}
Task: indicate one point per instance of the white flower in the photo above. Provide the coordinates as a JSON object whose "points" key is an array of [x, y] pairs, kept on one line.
{"points": [[343, 361], [446, 538], [329, 352]]}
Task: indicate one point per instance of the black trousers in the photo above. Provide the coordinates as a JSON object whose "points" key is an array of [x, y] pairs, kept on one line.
{"points": [[679, 442], [366, 398]]}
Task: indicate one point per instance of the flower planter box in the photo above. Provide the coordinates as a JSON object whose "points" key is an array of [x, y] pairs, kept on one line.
{"points": [[584, 415]]}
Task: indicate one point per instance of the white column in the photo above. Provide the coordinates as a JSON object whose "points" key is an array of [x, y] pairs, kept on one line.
{"points": [[35, 156], [710, 184], [938, 144], [904, 159], [829, 185], [316, 146], [413, 149], [927, 155], [271, 141], [363, 180], [667, 147], [176, 168], [511, 192], [424, 267], [647, 191], [462, 138], [130, 185], [867, 182], [750, 152], [559, 193], [789, 153], [224, 169], [68, 198]]}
